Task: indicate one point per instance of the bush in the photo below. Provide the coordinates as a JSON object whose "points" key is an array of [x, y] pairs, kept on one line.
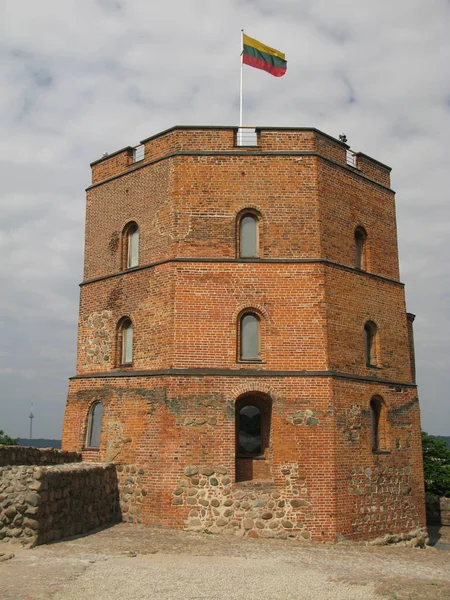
{"points": [[6, 440], [436, 465]]}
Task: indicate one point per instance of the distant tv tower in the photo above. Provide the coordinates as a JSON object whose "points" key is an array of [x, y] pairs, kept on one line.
{"points": [[31, 417]]}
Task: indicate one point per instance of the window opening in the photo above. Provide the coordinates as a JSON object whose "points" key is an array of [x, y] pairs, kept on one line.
{"points": [[377, 424], [360, 249], [132, 246], [249, 335], [248, 236], [370, 334], [253, 425], [95, 425], [126, 334], [249, 427]]}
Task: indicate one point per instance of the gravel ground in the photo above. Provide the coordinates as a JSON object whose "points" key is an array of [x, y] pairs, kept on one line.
{"points": [[134, 562]]}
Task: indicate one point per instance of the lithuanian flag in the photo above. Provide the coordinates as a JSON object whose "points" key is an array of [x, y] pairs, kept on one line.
{"points": [[263, 57]]}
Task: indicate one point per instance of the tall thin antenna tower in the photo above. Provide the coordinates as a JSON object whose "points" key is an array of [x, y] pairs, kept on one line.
{"points": [[31, 417]]}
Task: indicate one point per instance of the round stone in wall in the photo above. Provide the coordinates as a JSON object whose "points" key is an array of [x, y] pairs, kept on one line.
{"points": [[208, 471], [220, 470], [190, 470]]}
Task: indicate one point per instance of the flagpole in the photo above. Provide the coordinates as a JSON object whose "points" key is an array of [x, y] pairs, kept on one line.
{"points": [[242, 64]]}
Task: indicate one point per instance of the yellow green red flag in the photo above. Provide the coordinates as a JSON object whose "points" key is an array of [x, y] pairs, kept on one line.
{"points": [[258, 55]]}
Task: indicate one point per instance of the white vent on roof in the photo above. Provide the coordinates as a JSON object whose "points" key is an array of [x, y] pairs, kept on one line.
{"points": [[351, 158], [246, 136], [138, 153]]}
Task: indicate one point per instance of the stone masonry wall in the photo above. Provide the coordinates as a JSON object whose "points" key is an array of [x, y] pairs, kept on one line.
{"points": [[382, 499], [246, 509], [27, 455], [40, 504], [132, 492]]}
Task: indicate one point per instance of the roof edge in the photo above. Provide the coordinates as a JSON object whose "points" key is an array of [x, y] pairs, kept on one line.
{"points": [[373, 160], [234, 128], [102, 158]]}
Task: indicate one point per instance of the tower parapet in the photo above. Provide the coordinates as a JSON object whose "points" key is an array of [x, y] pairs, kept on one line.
{"points": [[208, 139]]}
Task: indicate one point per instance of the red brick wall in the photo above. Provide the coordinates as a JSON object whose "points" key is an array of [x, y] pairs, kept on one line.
{"points": [[289, 299], [210, 191], [348, 201], [373, 169], [352, 299], [111, 165], [143, 197], [147, 298]]}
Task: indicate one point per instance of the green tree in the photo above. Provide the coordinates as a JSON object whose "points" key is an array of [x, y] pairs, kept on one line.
{"points": [[6, 440], [436, 465]]}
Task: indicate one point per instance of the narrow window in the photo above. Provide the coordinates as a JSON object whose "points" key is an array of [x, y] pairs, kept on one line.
{"points": [[249, 428], [94, 425], [249, 334], [126, 342], [370, 343], [360, 248], [377, 424], [248, 236], [131, 245]]}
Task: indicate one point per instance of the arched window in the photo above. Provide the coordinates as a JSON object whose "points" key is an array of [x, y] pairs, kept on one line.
{"points": [[253, 425], [360, 248], [248, 236], [130, 245], [378, 423], [125, 342], [370, 343], [249, 431], [94, 427], [249, 337]]}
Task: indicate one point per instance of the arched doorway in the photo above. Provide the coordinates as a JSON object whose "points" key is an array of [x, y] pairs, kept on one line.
{"points": [[253, 428]]}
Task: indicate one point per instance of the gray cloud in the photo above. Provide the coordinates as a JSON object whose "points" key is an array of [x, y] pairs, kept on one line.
{"points": [[83, 78]]}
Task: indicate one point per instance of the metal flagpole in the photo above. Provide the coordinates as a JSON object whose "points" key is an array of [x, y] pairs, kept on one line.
{"points": [[242, 64]]}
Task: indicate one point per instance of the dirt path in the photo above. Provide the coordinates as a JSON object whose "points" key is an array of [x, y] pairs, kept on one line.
{"points": [[128, 562]]}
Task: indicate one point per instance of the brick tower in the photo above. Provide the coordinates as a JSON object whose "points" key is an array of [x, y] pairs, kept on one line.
{"points": [[244, 352]]}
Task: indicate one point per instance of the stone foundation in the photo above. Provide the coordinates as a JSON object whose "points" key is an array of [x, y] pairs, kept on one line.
{"points": [[132, 492], [253, 509], [417, 538]]}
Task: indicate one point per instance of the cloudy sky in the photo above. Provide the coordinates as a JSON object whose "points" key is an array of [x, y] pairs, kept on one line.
{"points": [[78, 78]]}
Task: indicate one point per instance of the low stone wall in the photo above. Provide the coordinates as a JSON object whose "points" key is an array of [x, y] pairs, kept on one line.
{"points": [[438, 510], [27, 455], [40, 504]]}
